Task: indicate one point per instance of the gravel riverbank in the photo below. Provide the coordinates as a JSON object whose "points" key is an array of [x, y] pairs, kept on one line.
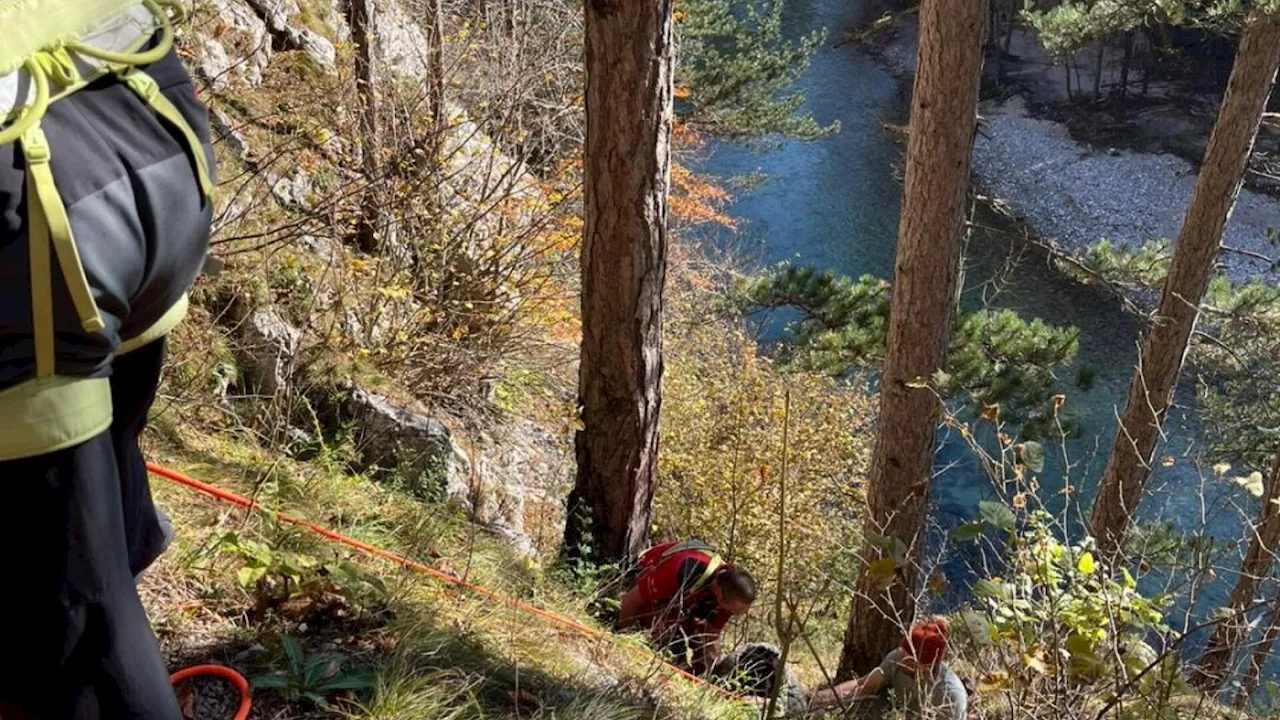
{"points": [[1073, 194]]}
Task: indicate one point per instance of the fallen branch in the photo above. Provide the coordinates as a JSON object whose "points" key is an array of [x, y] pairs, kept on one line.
{"points": [[878, 26]]}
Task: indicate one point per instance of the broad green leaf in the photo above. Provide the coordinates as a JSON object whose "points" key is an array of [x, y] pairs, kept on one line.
{"points": [[1033, 455], [976, 626], [250, 574], [269, 682], [989, 589], [969, 531], [1086, 564], [319, 668], [359, 679], [891, 545], [1079, 646], [997, 515], [1129, 582], [292, 651]]}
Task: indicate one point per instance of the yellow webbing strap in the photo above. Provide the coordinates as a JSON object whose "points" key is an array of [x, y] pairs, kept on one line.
{"points": [[147, 89], [714, 561], [45, 206], [41, 283], [712, 566]]}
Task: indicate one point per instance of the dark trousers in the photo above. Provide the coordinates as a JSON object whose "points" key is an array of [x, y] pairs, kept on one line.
{"points": [[77, 524]]}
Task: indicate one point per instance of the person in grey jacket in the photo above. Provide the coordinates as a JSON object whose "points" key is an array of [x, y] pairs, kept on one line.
{"points": [[105, 212], [915, 673]]}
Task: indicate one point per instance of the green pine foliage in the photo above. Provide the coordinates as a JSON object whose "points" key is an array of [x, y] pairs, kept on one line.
{"points": [[1065, 27], [996, 357], [741, 69], [1233, 351], [1069, 26], [1236, 350]]}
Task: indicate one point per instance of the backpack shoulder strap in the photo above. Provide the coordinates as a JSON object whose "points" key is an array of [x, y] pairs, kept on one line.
{"points": [[714, 563]]}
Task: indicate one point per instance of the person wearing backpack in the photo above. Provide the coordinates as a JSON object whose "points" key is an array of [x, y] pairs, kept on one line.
{"points": [[106, 175], [684, 595]]}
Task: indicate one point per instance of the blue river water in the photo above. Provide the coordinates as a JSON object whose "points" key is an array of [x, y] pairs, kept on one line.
{"points": [[834, 203]]}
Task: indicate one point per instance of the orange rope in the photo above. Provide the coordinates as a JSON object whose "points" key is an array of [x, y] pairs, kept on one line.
{"points": [[219, 671], [418, 567]]}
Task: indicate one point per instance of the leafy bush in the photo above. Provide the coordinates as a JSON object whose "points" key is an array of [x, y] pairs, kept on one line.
{"points": [[1057, 625], [276, 576], [721, 460]]}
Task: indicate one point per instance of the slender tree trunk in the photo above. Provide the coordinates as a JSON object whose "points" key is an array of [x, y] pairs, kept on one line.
{"points": [[1066, 67], [1097, 71], [624, 259], [943, 118], [1197, 247], [1215, 664], [360, 18], [1125, 62], [1261, 654], [435, 110]]}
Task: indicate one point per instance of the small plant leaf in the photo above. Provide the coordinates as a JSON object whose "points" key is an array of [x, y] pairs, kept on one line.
{"points": [[249, 574], [1086, 564], [997, 515], [1033, 455], [292, 652], [969, 531], [269, 682], [358, 679], [989, 589]]}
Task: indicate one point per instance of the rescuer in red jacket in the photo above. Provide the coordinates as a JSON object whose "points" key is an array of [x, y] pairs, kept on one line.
{"points": [[683, 597]]}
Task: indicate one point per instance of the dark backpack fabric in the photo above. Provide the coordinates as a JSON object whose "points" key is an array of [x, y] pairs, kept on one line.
{"points": [[140, 221]]}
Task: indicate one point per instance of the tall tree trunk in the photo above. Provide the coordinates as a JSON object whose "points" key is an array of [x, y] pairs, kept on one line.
{"points": [[624, 258], [1125, 62], [1197, 247], [943, 118], [1066, 67], [1215, 663], [1097, 71], [360, 18], [1259, 657]]}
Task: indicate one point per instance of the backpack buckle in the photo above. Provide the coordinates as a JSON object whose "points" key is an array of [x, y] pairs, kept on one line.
{"points": [[141, 83], [35, 148]]}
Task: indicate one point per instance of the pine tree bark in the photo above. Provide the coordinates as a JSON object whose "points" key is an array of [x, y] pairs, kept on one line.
{"points": [[943, 119], [627, 167], [361, 20], [1215, 664], [1197, 247]]}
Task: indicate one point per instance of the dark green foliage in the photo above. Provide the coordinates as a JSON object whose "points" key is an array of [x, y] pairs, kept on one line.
{"points": [[1068, 26], [996, 357], [314, 677], [1234, 350], [741, 69]]}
